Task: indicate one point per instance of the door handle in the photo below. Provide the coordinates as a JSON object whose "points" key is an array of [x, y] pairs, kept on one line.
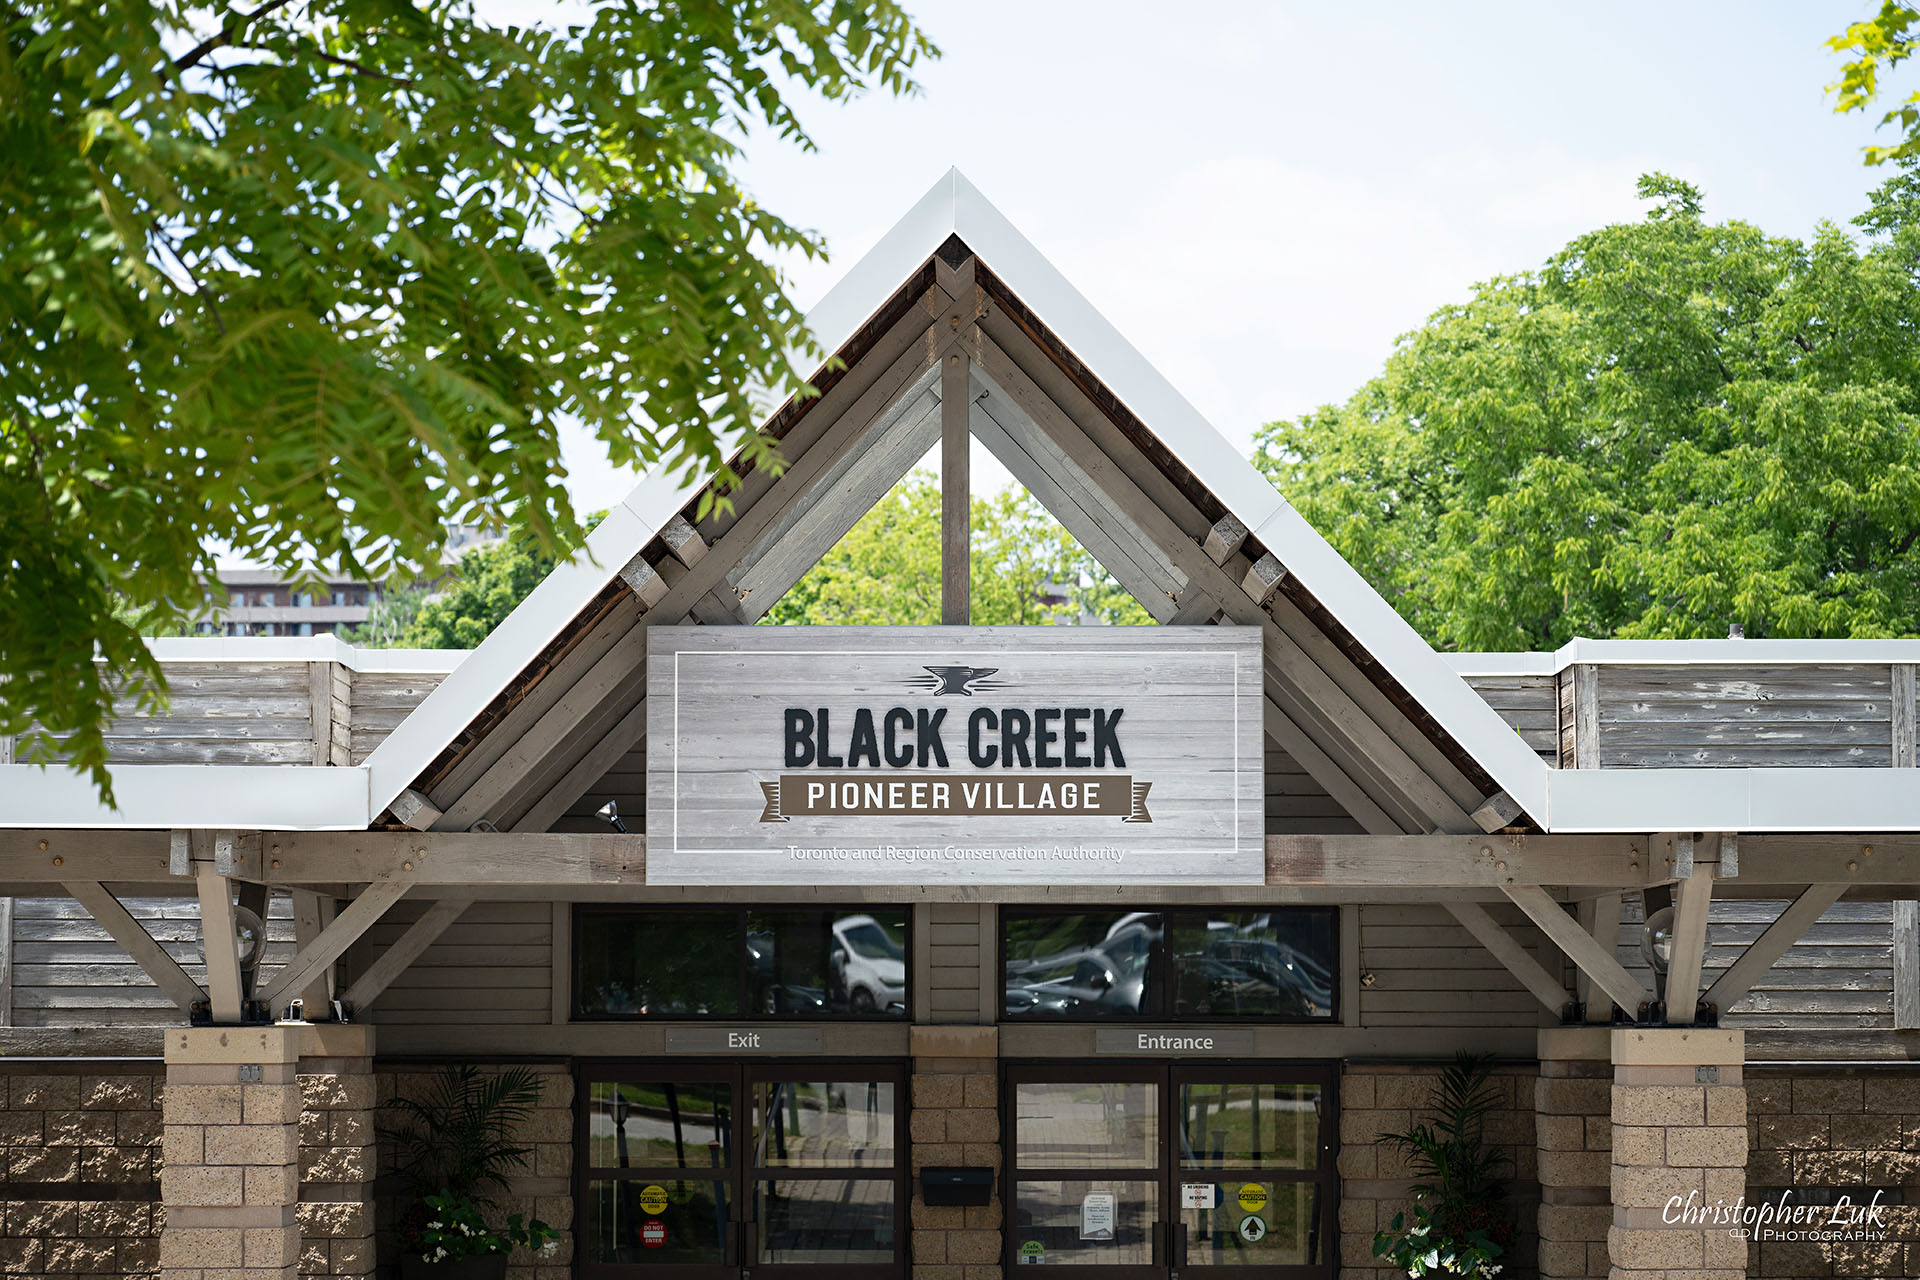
{"points": [[1179, 1246]]}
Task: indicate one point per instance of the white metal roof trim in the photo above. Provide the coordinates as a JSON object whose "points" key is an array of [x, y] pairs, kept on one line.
{"points": [[206, 796]]}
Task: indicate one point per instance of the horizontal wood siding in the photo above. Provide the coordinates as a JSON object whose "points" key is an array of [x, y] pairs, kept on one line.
{"points": [[956, 951], [67, 972], [220, 713], [1298, 805], [1838, 977], [492, 967], [380, 700], [625, 784], [1429, 972], [1745, 716], [1529, 704]]}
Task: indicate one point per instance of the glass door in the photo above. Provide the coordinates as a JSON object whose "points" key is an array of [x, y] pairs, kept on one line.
{"points": [[1150, 1170], [690, 1172]]}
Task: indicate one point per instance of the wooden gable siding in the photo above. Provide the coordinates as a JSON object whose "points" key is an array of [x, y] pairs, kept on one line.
{"points": [[1744, 716], [67, 972], [492, 967], [1529, 704], [1838, 977]]}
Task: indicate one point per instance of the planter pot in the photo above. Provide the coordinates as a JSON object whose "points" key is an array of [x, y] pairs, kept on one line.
{"points": [[486, 1266]]}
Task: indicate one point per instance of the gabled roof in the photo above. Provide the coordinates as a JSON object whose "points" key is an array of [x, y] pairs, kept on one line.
{"points": [[954, 215], [549, 700]]}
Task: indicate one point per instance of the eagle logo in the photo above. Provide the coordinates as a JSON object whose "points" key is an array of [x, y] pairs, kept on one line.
{"points": [[963, 681]]}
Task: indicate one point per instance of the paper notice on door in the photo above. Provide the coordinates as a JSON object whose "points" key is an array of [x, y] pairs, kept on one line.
{"points": [[1096, 1216], [1196, 1195]]}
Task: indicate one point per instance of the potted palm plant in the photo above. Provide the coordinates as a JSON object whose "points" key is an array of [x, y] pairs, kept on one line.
{"points": [[1461, 1222], [454, 1147]]}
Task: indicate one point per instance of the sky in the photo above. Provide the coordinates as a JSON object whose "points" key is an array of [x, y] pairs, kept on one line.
{"points": [[1261, 197]]}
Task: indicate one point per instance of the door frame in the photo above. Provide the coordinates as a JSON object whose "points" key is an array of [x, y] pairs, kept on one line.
{"points": [[741, 1240], [1167, 1231]]}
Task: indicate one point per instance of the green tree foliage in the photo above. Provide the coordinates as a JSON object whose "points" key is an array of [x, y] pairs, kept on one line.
{"points": [[1671, 426], [1880, 44], [394, 608], [478, 595], [886, 571], [310, 277]]}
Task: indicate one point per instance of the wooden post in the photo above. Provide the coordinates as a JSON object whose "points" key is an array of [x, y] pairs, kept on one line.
{"points": [[1906, 965], [1601, 917], [1586, 716], [956, 494], [6, 962], [216, 937]]}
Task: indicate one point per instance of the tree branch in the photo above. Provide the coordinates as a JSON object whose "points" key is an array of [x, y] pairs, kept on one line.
{"points": [[226, 35]]}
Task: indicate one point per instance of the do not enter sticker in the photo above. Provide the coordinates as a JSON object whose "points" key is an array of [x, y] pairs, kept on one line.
{"points": [[1253, 1197], [653, 1199], [653, 1233]]}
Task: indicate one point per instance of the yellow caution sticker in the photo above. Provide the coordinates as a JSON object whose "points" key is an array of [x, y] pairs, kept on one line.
{"points": [[1253, 1197], [653, 1199]]}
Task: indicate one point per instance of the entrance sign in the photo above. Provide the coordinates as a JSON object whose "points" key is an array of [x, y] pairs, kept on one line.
{"points": [[1174, 1043], [988, 755]]}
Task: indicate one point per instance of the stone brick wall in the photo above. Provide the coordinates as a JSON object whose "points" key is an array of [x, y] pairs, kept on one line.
{"points": [[338, 1156], [1573, 1131], [1824, 1134], [1375, 1179], [80, 1145], [544, 1191], [955, 1120], [1679, 1134]]}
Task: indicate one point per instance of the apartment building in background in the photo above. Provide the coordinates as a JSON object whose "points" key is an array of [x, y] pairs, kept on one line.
{"points": [[268, 602]]}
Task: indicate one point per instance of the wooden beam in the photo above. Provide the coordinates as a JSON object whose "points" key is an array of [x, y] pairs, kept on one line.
{"points": [[1225, 538], [1332, 718], [6, 962], [136, 942], [791, 547], [1499, 811], [1691, 899], [644, 580], [1905, 714], [1487, 862], [627, 733], [1599, 963], [956, 494], [1081, 509], [224, 991], [1532, 974], [1906, 965], [1264, 577], [1764, 950], [407, 948], [1586, 716], [320, 702], [346, 929], [415, 810], [1600, 916], [312, 913]]}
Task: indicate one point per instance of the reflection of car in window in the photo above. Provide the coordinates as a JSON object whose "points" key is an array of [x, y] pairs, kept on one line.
{"points": [[868, 965], [1108, 977]]}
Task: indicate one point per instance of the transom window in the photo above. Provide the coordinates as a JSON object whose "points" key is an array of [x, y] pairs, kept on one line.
{"points": [[740, 963], [1274, 965]]}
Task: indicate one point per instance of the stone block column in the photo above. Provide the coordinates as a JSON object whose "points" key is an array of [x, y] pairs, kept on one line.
{"points": [[1573, 1134], [230, 1178], [1679, 1152], [338, 1156], [954, 1119]]}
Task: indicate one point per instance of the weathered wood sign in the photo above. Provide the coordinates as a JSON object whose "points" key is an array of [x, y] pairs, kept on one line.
{"points": [[991, 755]]}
